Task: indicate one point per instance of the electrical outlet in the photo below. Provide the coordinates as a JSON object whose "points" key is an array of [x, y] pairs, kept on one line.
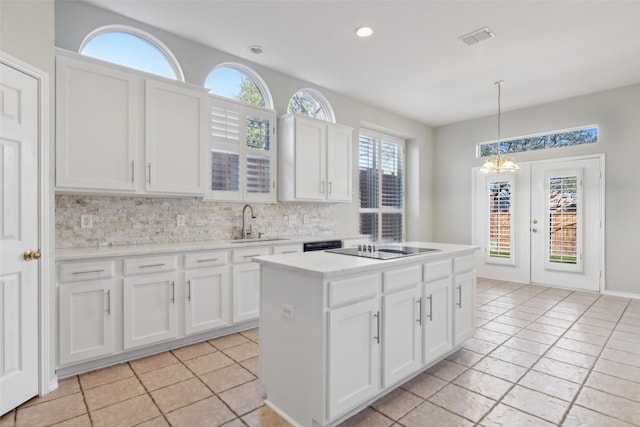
{"points": [[181, 220], [86, 221], [288, 310]]}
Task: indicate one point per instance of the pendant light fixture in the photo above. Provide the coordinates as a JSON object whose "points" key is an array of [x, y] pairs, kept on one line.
{"points": [[499, 163]]}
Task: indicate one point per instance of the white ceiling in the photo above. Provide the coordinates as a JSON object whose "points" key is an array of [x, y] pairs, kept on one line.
{"points": [[414, 64]]}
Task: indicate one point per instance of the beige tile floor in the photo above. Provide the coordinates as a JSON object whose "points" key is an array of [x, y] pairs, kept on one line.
{"points": [[540, 357]]}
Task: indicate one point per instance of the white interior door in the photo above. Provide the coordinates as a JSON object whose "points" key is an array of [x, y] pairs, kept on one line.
{"points": [[565, 224], [19, 124]]}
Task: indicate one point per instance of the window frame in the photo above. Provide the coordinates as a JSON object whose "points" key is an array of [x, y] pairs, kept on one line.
{"points": [[380, 210], [240, 146], [145, 36], [251, 74], [320, 99]]}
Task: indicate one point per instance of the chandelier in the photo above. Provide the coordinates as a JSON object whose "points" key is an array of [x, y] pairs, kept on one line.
{"points": [[499, 163]]}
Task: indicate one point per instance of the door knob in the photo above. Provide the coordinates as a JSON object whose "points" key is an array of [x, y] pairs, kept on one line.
{"points": [[535, 221], [535, 230], [31, 255]]}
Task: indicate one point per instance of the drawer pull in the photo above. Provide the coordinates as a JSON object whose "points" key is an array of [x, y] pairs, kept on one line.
{"points": [[289, 252], [208, 260], [251, 256], [88, 271], [152, 265]]}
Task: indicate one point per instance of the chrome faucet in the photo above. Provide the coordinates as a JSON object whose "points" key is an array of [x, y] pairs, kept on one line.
{"points": [[247, 233]]}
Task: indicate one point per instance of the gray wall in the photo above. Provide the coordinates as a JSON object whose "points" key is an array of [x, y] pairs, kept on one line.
{"points": [[616, 112], [75, 20]]}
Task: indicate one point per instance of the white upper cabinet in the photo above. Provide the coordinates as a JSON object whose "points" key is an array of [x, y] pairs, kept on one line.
{"points": [[121, 132], [315, 160]]}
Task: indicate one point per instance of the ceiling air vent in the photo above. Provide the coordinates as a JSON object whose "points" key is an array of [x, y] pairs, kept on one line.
{"points": [[477, 36]]}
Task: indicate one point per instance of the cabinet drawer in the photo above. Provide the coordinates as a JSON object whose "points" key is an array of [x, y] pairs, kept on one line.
{"points": [[463, 263], [287, 249], [354, 289], [77, 271], [149, 265], [436, 271], [206, 259], [402, 278], [245, 254]]}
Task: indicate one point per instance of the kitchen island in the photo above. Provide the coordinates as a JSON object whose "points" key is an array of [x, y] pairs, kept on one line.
{"points": [[338, 332]]}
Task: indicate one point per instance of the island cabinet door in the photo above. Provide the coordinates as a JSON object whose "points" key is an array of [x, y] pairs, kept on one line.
{"points": [[354, 355], [463, 307], [438, 319], [401, 335]]}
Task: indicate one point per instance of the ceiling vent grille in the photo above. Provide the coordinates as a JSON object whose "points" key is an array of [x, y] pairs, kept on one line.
{"points": [[477, 36]]}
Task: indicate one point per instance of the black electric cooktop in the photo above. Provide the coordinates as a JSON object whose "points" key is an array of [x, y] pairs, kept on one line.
{"points": [[382, 252]]}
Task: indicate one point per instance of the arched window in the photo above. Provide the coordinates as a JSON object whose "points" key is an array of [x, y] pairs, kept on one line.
{"points": [[132, 48], [235, 81], [311, 103]]}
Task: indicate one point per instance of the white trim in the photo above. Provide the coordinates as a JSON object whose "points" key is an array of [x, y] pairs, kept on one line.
{"points": [[46, 375], [621, 294], [149, 38], [257, 80]]}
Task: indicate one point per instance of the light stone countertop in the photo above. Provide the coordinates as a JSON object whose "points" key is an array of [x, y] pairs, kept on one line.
{"points": [[72, 254], [327, 265]]}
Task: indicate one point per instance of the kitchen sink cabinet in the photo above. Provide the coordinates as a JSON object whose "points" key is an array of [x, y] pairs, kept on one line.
{"points": [[123, 132], [206, 299], [315, 160], [246, 292]]}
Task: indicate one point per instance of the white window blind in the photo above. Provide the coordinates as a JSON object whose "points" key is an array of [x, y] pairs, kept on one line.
{"points": [[563, 220], [381, 169], [242, 155], [500, 239]]}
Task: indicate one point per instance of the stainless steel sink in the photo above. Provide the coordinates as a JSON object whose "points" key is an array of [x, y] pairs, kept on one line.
{"points": [[261, 239]]}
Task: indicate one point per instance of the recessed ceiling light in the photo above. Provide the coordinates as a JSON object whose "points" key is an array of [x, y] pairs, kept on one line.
{"points": [[364, 31], [255, 49]]}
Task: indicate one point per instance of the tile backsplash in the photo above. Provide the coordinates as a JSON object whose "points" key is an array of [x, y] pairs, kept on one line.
{"points": [[143, 220]]}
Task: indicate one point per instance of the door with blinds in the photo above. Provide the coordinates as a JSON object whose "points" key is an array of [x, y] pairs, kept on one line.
{"points": [[565, 224], [541, 225]]}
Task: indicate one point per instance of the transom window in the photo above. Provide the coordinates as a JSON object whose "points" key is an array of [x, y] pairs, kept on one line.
{"points": [[132, 48], [311, 103], [235, 81], [543, 141], [381, 168]]}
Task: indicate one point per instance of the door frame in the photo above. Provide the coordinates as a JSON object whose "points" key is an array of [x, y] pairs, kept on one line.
{"points": [[47, 381], [476, 227]]}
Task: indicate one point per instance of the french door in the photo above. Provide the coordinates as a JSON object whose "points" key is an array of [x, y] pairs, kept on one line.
{"points": [[543, 224]]}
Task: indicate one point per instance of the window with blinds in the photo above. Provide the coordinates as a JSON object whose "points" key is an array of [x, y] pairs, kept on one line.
{"points": [[242, 158], [563, 236], [500, 215], [381, 169]]}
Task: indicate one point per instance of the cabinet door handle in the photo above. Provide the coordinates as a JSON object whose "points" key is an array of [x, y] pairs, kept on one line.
{"points": [[460, 296], [87, 271], [208, 260], [419, 311], [173, 292], [133, 171], [189, 290], [322, 187], [149, 172], [109, 302], [430, 298], [377, 337], [152, 265], [330, 187]]}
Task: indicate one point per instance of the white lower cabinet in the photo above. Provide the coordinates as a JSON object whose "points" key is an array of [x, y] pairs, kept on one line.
{"points": [[86, 319], [149, 309], [463, 306], [354, 355], [246, 292], [437, 319], [401, 335], [206, 299]]}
